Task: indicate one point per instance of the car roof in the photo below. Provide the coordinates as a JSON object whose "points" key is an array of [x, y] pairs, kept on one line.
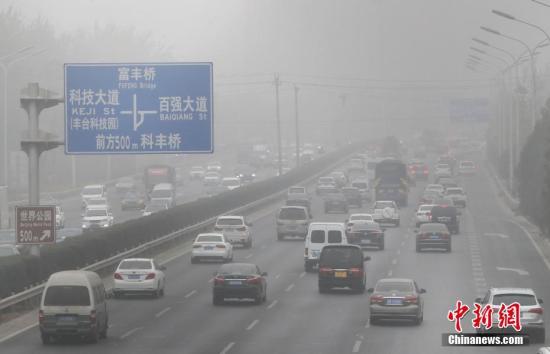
{"points": [[230, 217], [74, 277], [93, 186], [360, 215], [394, 280], [498, 291], [138, 259]]}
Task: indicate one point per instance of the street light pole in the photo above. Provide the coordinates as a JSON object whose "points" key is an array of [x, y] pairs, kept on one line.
{"points": [[279, 152], [297, 127]]}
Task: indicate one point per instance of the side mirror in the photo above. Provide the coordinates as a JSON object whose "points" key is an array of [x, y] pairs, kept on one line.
{"points": [[370, 290], [540, 301], [478, 300], [264, 274], [367, 258], [422, 291]]}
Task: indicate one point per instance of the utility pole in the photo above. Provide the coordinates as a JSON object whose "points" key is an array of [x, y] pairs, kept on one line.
{"points": [[280, 163], [343, 98], [297, 128]]}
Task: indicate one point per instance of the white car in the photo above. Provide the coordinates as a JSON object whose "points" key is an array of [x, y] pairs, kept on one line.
{"points": [[124, 185], [139, 276], [424, 214], [152, 208], [235, 229], [386, 212], [442, 170], [92, 191], [466, 168], [231, 183], [458, 196], [211, 178], [211, 246], [97, 218], [214, 167], [197, 172], [59, 217], [437, 188], [357, 218], [98, 203]]}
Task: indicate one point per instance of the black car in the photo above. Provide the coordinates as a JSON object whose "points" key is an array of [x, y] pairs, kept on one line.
{"points": [[336, 201], [342, 266], [239, 280], [245, 174], [367, 234], [353, 196], [132, 201], [433, 235], [448, 215]]}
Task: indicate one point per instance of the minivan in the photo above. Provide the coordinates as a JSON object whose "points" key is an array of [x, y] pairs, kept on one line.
{"points": [[319, 235], [73, 304], [292, 221], [164, 192], [342, 266]]}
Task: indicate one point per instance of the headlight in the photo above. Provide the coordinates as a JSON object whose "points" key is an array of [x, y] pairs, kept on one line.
{"points": [[106, 225], [85, 226], [253, 175]]}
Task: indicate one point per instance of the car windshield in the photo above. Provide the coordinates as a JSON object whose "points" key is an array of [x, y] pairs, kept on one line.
{"points": [[58, 295], [292, 214], [229, 221], [522, 299], [96, 212], [97, 202], [135, 264], [394, 286], [453, 191], [161, 193], [360, 185], [382, 205], [367, 226], [427, 228], [297, 190], [209, 238], [361, 217], [341, 257], [92, 191], [238, 268]]}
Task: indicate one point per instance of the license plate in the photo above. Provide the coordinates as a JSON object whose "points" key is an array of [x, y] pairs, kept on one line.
{"points": [[444, 219], [434, 237], [315, 253], [133, 276], [394, 302], [208, 248], [340, 274], [366, 242], [66, 319], [235, 282]]}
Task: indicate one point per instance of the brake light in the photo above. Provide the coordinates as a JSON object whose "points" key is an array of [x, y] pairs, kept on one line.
{"points": [[93, 316], [241, 228], [537, 310], [220, 246], [218, 280], [305, 252], [356, 272], [40, 316], [411, 299], [150, 276], [325, 270], [118, 276], [254, 280], [376, 299]]}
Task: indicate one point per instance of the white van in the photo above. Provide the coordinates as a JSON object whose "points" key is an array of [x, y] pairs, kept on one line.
{"points": [[164, 192], [318, 236], [92, 191], [73, 304]]}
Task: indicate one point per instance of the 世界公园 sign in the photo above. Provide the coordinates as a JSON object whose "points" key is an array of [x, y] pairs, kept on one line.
{"points": [[145, 108], [35, 225]]}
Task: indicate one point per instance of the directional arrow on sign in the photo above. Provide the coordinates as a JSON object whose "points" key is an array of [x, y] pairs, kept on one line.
{"points": [[497, 235], [46, 234], [519, 271]]}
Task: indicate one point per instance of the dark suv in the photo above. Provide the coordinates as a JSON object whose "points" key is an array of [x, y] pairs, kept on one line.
{"points": [[448, 215], [342, 266]]}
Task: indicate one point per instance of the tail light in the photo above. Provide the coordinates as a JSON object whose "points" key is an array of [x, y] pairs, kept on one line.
{"points": [[241, 228], [356, 272], [220, 246], [305, 252], [429, 215], [325, 270], [150, 276], [93, 316], [254, 280], [218, 280], [118, 276], [411, 299], [40, 316], [376, 299], [537, 310]]}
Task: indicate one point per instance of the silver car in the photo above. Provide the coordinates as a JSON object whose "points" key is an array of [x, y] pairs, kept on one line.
{"points": [[394, 298], [292, 221]]}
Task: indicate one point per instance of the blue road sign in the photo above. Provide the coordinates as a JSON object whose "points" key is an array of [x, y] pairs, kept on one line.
{"points": [[138, 108]]}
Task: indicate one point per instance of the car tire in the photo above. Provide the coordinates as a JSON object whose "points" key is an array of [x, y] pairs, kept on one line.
{"points": [[308, 266], [280, 237], [94, 336], [382, 244], [326, 210], [539, 336], [323, 289], [449, 248], [249, 244], [373, 320], [117, 295], [258, 299], [217, 300], [46, 338], [418, 248], [103, 333], [162, 291], [419, 319], [397, 223]]}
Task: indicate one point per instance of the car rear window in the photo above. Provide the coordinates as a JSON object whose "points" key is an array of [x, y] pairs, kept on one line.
{"points": [[92, 191], [237, 268], [382, 205], [317, 236], [443, 211], [135, 264], [435, 227], [211, 238], [297, 190], [230, 221], [523, 299], [292, 214], [399, 286], [67, 296], [341, 257], [360, 185], [334, 236], [425, 208]]}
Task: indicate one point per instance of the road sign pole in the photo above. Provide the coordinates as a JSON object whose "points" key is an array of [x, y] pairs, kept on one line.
{"points": [[34, 182], [297, 128], [279, 152]]}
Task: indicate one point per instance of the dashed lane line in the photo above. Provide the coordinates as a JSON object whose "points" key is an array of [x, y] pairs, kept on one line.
{"points": [[290, 287], [163, 312], [227, 348], [357, 346], [252, 325], [272, 305], [130, 332], [191, 293]]}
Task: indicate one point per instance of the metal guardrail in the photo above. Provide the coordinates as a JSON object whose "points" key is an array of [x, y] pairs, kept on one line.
{"points": [[103, 264]]}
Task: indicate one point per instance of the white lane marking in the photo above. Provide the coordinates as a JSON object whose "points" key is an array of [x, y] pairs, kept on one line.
{"points": [[185, 251], [303, 274], [394, 261], [402, 243], [357, 346], [289, 287], [250, 326], [367, 325], [193, 292], [390, 272], [519, 271], [539, 251], [398, 251], [8, 337], [163, 312], [277, 276], [496, 235], [248, 256], [272, 305], [130, 332], [227, 348]]}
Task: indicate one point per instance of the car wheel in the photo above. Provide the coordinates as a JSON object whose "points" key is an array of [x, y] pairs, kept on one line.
{"points": [[217, 300], [46, 338], [308, 267], [94, 336], [418, 248], [449, 248], [373, 320], [103, 333], [258, 299], [323, 289], [381, 246], [249, 244], [162, 291], [540, 336], [418, 320], [397, 223], [326, 210], [280, 237]]}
